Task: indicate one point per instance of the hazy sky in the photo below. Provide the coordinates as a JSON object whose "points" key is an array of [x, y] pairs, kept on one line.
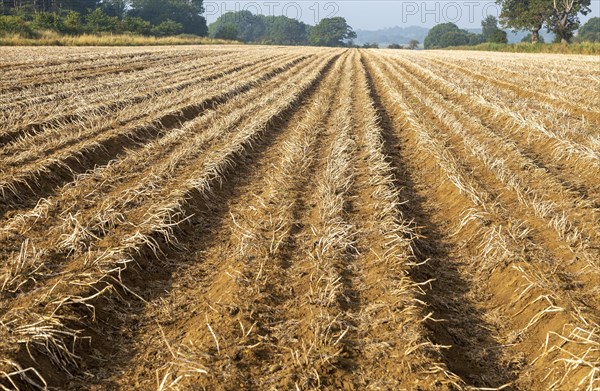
{"points": [[372, 15]]}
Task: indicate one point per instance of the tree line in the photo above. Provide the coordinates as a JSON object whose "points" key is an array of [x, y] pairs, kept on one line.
{"points": [[280, 30], [144, 17], [172, 17], [165, 18]]}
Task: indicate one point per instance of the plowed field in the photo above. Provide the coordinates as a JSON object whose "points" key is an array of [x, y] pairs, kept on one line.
{"points": [[268, 218]]}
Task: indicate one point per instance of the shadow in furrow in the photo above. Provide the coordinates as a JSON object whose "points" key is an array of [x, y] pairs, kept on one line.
{"points": [[473, 354]]}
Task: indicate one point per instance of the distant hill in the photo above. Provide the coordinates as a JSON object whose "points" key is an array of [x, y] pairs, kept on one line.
{"points": [[402, 35], [397, 34]]}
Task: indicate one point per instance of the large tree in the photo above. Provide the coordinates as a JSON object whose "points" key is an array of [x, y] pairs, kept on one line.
{"points": [[530, 15], [331, 32], [564, 19], [282, 30], [445, 35]]}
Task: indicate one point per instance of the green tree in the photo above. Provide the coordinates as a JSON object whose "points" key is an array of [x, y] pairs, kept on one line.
{"points": [[97, 21], [395, 46], [47, 21], [530, 15], [14, 24], [167, 28], [559, 16], [331, 32], [227, 31], [491, 32], [137, 25], [445, 35], [564, 19], [590, 31], [454, 38], [281, 30], [71, 23], [250, 28], [413, 44], [186, 12]]}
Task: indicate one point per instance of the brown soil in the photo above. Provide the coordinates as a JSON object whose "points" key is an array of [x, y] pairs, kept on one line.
{"points": [[307, 219]]}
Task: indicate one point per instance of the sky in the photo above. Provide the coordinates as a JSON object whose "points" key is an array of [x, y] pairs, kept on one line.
{"points": [[372, 15]]}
